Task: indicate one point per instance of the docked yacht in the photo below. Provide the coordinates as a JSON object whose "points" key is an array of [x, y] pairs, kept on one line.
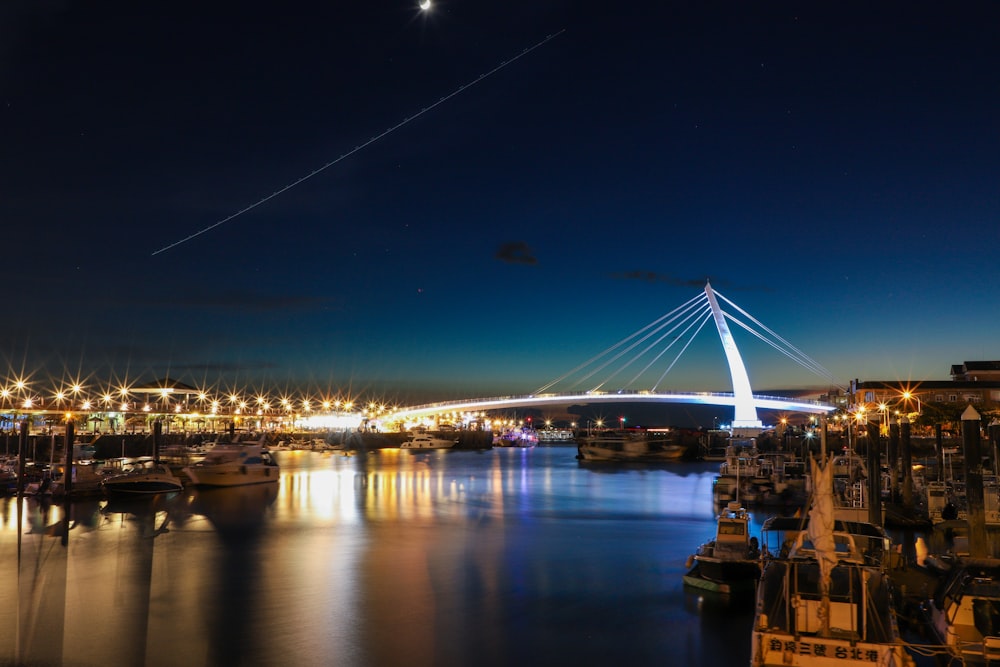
{"points": [[730, 563], [148, 478], [824, 595], [428, 441], [234, 464]]}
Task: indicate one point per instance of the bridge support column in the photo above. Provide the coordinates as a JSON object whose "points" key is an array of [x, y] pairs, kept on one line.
{"points": [[745, 409]]}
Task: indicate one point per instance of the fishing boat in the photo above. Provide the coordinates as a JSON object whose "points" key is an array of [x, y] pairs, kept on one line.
{"points": [[517, 437], [635, 447], [148, 478], [824, 595], [427, 441], [964, 613], [234, 464], [730, 563]]}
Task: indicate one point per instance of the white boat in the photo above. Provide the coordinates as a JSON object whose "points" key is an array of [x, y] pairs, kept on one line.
{"points": [[427, 441], [234, 464], [964, 613], [824, 595], [150, 478], [516, 437], [730, 563], [628, 447]]}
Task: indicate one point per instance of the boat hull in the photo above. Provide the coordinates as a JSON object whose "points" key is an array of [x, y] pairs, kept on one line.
{"points": [[647, 451], [779, 649], [142, 487], [237, 475], [143, 482], [424, 442], [724, 576]]}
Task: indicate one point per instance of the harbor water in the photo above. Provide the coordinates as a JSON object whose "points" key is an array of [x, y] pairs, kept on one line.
{"points": [[499, 557]]}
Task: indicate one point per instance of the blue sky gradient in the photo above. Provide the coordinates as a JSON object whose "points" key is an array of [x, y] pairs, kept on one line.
{"points": [[833, 170]]}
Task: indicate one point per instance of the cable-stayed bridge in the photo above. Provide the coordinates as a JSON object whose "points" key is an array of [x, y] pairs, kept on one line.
{"points": [[639, 357]]}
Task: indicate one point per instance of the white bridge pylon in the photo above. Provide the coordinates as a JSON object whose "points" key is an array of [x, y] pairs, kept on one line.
{"points": [[646, 348], [745, 410]]}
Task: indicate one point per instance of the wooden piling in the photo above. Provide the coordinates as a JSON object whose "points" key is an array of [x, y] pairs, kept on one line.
{"points": [[157, 434], [939, 451], [971, 424], [892, 460], [22, 449], [68, 472], [874, 464], [906, 461]]}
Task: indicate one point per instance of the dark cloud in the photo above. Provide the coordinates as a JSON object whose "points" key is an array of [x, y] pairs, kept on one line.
{"points": [[516, 252]]}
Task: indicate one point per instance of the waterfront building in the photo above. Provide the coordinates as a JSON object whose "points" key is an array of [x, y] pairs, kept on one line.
{"points": [[930, 401]]}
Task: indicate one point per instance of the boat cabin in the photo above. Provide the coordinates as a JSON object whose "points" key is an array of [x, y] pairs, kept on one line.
{"points": [[732, 531], [857, 541]]}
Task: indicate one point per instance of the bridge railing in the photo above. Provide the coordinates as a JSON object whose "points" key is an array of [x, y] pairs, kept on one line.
{"points": [[592, 394]]}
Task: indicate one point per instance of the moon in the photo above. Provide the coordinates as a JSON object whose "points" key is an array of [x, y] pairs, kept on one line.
{"points": [[425, 5]]}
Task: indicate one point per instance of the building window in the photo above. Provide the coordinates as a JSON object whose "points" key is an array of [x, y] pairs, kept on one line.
{"points": [[939, 398], [869, 397], [952, 397]]}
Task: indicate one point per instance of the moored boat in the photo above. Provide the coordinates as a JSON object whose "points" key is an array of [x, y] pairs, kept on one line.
{"points": [[824, 595], [730, 563], [635, 447], [234, 464], [427, 441], [517, 437], [964, 613], [148, 479]]}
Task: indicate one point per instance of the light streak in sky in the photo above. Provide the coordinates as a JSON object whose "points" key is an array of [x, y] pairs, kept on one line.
{"points": [[349, 153]]}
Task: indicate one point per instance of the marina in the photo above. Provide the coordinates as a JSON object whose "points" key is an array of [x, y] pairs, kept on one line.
{"points": [[469, 557], [370, 335], [530, 552]]}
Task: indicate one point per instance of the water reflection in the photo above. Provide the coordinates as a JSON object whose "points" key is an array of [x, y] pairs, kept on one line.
{"points": [[238, 516], [437, 557]]}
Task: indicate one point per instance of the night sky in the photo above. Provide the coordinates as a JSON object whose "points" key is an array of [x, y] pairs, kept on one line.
{"points": [[833, 169]]}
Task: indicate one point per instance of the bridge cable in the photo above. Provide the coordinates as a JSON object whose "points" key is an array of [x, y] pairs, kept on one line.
{"points": [[801, 359], [706, 313], [693, 315], [790, 351], [816, 369], [630, 348], [600, 355], [708, 318]]}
